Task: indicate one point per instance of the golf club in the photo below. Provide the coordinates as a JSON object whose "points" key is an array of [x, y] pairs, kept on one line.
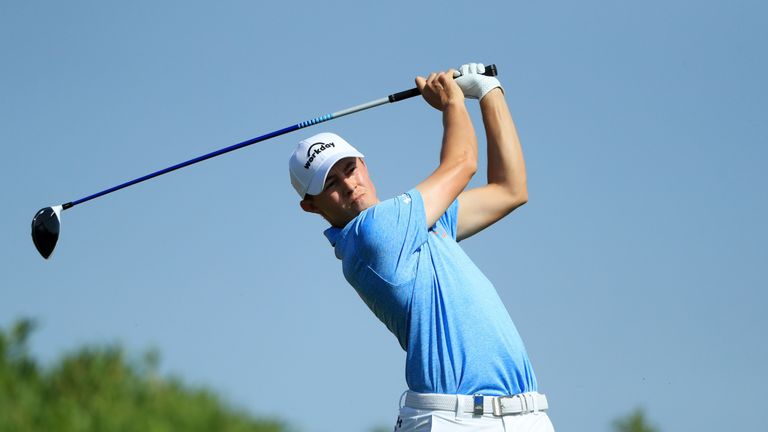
{"points": [[46, 224]]}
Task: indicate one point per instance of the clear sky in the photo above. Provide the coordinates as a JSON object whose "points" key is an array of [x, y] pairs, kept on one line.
{"points": [[636, 274]]}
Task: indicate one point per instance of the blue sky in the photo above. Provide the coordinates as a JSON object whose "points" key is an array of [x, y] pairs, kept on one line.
{"points": [[636, 273]]}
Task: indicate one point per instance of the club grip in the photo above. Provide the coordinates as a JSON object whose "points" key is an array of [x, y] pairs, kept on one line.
{"points": [[490, 70], [404, 95]]}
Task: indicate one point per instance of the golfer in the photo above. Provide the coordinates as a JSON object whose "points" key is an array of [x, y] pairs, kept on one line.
{"points": [[466, 365]]}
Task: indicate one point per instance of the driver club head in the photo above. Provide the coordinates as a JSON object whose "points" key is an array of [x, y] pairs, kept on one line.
{"points": [[45, 229]]}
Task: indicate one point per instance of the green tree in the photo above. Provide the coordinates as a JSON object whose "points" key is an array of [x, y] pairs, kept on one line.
{"points": [[100, 389], [634, 422]]}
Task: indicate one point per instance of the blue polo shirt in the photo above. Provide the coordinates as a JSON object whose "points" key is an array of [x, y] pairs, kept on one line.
{"points": [[445, 313]]}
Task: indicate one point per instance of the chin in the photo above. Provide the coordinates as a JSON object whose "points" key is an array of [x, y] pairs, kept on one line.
{"points": [[362, 205]]}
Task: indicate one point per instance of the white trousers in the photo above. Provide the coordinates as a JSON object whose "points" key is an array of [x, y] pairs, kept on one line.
{"points": [[416, 420]]}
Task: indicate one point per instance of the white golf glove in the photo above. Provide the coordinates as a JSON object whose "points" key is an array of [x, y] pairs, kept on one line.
{"points": [[473, 83]]}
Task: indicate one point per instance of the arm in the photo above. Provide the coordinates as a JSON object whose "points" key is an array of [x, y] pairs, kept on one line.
{"points": [[458, 157], [506, 189]]}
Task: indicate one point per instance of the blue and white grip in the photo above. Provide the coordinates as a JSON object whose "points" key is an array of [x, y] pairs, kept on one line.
{"points": [[316, 120]]}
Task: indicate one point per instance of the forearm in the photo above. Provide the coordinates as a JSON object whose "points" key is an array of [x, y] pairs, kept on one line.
{"points": [[459, 145], [506, 166]]}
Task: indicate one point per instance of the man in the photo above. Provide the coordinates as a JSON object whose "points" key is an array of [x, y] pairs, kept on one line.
{"points": [[466, 366]]}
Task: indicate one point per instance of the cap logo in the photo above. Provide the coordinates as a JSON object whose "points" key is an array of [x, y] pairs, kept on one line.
{"points": [[318, 148]]}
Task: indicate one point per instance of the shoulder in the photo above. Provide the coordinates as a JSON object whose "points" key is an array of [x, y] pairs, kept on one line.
{"points": [[388, 227], [378, 220]]}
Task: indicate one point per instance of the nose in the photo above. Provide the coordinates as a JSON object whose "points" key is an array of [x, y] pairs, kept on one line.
{"points": [[349, 184]]}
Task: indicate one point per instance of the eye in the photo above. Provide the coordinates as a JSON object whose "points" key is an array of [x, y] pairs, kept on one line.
{"points": [[329, 181]]}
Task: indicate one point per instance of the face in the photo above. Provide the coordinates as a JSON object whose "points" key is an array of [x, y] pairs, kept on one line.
{"points": [[348, 191]]}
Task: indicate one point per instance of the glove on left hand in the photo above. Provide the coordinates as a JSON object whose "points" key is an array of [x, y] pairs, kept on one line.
{"points": [[473, 83]]}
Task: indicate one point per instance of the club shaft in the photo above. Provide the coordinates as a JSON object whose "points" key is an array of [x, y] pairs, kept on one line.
{"points": [[314, 121], [396, 97]]}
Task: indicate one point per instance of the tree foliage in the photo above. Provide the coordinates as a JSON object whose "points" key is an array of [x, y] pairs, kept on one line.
{"points": [[100, 389], [634, 422]]}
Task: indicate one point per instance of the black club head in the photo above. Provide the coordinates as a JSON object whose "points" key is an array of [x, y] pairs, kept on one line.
{"points": [[45, 230]]}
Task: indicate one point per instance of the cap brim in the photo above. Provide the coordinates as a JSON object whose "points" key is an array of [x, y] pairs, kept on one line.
{"points": [[318, 181]]}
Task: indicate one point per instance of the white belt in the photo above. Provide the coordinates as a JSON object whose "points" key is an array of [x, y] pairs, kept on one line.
{"points": [[497, 405]]}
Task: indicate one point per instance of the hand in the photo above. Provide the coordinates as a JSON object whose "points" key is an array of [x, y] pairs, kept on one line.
{"points": [[440, 89], [473, 83]]}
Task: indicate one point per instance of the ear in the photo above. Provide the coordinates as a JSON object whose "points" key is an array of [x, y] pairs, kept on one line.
{"points": [[309, 206]]}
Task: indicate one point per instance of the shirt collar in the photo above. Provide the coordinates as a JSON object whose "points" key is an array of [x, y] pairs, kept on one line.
{"points": [[332, 234]]}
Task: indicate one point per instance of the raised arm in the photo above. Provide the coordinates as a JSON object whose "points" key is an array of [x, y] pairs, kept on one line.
{"points": [[506, 189], [458, 157]]}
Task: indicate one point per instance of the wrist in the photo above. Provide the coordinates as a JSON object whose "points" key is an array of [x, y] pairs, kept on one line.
{"points": [[493, 96], [491, 87], [454, 104], [455, 114]]}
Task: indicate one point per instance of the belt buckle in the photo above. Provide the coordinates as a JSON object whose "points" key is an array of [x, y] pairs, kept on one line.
{"points": [[498, 405]]}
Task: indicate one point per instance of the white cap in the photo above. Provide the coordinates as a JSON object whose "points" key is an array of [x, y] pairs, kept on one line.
{"points": [[313, 158]]}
